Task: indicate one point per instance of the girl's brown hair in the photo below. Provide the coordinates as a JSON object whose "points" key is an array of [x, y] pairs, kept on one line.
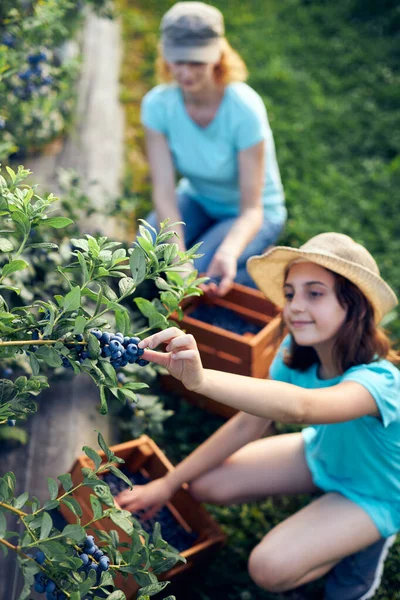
{"points": [[230, 67], [359, 340]]}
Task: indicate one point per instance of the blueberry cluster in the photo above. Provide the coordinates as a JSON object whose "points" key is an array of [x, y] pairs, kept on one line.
{"points": [[33, 78], [224, 318], [45, 585], [172, 531], [8, 39], [121, 349], [93, 558]]}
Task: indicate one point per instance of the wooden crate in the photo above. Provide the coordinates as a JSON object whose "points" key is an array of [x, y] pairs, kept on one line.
{"points": [[144, 456], [248, 354]]}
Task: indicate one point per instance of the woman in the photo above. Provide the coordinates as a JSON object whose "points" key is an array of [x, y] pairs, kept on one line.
{"points": [[335, 372], [212, 128]]}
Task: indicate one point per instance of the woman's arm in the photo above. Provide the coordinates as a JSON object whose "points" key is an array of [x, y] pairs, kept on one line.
{"points": [[246, 226], [269, 399], [163, 181], [251, 181], [236, 433]]}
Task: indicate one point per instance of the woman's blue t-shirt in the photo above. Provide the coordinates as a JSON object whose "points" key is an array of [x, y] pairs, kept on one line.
{"points": [[207, 157], [358, 458]]}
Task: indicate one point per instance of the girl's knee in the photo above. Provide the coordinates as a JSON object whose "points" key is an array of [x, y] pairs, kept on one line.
{"points": [[269, 569], [206, 489]]}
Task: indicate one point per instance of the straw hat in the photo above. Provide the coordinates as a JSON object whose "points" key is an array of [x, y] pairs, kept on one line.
{"points": [[334, 251]]}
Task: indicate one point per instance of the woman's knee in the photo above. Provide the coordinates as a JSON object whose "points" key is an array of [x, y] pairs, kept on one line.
{"points": [[270, 569]]}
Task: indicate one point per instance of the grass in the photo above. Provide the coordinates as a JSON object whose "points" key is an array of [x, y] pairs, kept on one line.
{"points": [[328, 73]]}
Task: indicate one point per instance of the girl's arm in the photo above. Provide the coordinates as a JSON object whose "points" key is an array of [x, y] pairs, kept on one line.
{"points": [[269, 399], [251, 181], [236, 433], [163, 181]]}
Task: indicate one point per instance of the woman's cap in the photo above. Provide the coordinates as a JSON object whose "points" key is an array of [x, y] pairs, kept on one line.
{"points": [[192, 32], [334, 251]]}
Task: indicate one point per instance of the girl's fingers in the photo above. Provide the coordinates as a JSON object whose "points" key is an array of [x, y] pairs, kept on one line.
{"points": [[161, 337], [159, 358], [184, 340], [184, 354]]}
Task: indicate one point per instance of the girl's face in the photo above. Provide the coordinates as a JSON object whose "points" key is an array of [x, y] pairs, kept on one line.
{"points": [[192, 76], [312, 311]]}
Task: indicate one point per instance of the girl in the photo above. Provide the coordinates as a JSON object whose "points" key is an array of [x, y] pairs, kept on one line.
{"points": [[207, 124], [333, 371]]}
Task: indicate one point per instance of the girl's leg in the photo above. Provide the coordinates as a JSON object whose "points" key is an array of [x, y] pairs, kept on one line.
{"points": [[273, 465], [308, 544], [195, 219]]}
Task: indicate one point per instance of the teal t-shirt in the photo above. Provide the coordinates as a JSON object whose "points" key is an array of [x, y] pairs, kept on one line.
{"points": [[358, 458], [207, 157]]}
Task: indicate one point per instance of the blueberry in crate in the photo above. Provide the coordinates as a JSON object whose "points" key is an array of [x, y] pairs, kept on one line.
{"points": [[171, 531], [224, 318]]}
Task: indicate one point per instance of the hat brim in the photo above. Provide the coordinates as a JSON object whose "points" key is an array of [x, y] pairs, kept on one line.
{"points": [[268, 272], [208, 53]]}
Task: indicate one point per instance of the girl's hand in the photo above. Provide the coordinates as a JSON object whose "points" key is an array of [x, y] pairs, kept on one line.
{"points": [[150, 498], [223, 267], [181, 359]]}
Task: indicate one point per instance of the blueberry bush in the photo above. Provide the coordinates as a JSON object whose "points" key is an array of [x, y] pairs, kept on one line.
{"points": [[38, 70], [86, 328], [69, 563]]}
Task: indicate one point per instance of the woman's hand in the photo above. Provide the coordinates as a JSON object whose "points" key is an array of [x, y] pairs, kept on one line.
{"points": [[181, 359], [150, 498], [223, 268]]}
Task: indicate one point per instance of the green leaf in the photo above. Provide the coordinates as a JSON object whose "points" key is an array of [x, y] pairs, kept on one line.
{"points": [[93, 346], [66, 481], [117, 595], [152, 589], [96, 507], [50, 504], [82, 262], [137, 263], [49, 355], [73, 505], [72, 300], [13, 266], [5, 245], [103, 445], [22, 222], [75, 531], [122, 522], [35, 365], [121, 475], [53, 488], [126, 286], [103, 401], [21, 500], [47, 526], [58, 222], [92, 454], [80, 323], [3, 525]]}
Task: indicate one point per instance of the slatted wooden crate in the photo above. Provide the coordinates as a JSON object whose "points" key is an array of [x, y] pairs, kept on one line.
{"points": [[144, 456], [248, 354]]}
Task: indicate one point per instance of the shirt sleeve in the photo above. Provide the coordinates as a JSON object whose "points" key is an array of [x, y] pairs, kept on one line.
{"points": [[382, 380], [254, 126], [153, 111], [278, 370]]}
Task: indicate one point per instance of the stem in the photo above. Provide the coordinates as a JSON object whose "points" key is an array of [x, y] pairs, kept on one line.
{"points": [[38, 343], [18, 512]]}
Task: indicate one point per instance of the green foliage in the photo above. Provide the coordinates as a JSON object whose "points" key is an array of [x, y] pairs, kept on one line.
{"points": [[140, 557], [37, 97], [51, 331]]}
